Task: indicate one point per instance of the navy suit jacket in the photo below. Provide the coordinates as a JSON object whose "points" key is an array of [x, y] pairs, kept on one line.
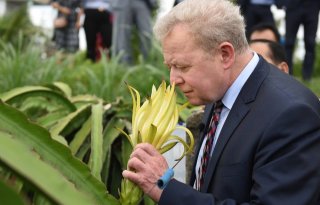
{"points": [[268, 151]]}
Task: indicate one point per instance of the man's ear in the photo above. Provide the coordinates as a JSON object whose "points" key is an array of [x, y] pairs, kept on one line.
{"points": [[227, 54], [284, 67]]}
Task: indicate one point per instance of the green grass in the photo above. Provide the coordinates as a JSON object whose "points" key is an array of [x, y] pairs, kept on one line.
{"points": [[314, 84]]}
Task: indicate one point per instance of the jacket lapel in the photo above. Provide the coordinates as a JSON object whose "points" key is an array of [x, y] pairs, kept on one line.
{"points": [[230, 125], [237, 113]]}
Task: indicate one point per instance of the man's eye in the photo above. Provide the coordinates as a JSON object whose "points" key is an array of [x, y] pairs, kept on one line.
{"points": [[181, 67]]}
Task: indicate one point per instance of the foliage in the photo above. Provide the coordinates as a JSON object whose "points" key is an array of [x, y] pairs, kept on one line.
{"points": [[316, 71], [73, 145], [107, 78], [24, 61], [9, 196], [15, 24], [22, 65], [298, 64], [314, 84]]}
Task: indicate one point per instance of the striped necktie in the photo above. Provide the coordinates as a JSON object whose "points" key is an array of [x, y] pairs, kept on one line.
{"points": [[209, 144]]}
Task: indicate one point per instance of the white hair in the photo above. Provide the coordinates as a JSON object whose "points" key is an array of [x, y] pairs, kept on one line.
{"points": [[211, 22]]}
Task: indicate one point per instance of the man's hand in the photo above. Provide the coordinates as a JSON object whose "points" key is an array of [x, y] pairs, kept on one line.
{"points": [[146, 165]]}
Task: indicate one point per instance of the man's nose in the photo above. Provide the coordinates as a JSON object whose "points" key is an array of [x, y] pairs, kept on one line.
{"points": [[175, 77]]}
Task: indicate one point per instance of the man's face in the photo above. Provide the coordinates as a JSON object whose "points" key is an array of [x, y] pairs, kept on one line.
{"points": [[263, 50], [197, 73]]}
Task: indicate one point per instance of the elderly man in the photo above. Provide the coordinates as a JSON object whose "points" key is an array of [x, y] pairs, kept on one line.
{"points": [[261, 139]]}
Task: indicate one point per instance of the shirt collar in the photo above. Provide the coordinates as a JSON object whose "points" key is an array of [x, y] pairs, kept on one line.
{"points": [[232, 93]]}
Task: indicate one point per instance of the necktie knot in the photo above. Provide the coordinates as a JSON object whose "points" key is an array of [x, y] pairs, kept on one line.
{"points": [[218, 106], [217, 111]]}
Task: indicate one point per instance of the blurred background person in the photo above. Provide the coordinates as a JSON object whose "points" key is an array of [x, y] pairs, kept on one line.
{"points": [[130, 14], [265, 30], [272, 52], [306, 13], [66, 29], [256, 11], [97, 26]]}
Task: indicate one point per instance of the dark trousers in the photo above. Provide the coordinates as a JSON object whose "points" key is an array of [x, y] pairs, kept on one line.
{"points": [[97, 22], [307, 15], [255, 14]]}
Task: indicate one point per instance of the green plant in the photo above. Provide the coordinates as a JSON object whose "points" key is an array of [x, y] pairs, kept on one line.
{"points": [[71, 138], [15, 24], [21, 65], [70, 181], [74, 145], [316, 72]]}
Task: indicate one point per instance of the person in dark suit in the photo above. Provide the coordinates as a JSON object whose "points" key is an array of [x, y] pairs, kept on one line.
{"points": [[255, 12], [265, 149], [306, 13]]}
